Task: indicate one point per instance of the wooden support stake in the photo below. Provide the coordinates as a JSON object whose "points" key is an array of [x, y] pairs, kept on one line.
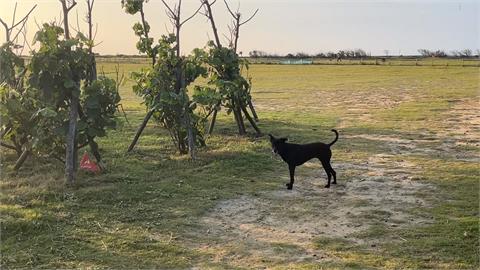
{"points": [[140, 130], [254, 113], [21, 160], [249, 118]]}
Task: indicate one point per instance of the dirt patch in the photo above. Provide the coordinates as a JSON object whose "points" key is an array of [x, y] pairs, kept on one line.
{"points": [[279, 226], [355, 103], [462, 123]]}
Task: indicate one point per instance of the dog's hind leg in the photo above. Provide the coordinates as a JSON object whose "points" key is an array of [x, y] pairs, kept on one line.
{"points": [[292, 176], [327, 167], [332, 171]]}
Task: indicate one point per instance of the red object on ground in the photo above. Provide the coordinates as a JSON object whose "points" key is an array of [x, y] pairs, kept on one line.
{"points": [[88, 165]]}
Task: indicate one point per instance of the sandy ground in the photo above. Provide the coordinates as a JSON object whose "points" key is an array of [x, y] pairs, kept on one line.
{"points": [[382, 192]]}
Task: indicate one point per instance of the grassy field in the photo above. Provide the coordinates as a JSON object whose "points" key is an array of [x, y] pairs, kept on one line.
{"points": [[407, 197]]}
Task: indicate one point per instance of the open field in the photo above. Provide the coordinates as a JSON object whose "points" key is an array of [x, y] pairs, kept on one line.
{"points": [[407, 162], [389, 61]]}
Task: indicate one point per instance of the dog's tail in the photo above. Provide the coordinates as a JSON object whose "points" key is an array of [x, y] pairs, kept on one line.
{"points": [[336, 138]]}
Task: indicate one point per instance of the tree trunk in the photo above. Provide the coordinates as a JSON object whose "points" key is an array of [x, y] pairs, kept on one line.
{"points": [[235, 115], [242, 124], [93, 68], [70, 159], [237, 33], [238, 119], [140, 130], [191, 137], [212, 123]]}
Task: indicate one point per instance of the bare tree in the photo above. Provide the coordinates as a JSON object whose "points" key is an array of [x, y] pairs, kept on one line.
{"points": [[235, 28], [424, 52], [466, 53]]}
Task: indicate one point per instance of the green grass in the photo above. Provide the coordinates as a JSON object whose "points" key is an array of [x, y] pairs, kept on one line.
{"points": [[142, 211]]}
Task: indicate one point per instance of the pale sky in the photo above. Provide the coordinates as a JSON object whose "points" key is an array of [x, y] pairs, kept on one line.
{"points": [[284, 26]]}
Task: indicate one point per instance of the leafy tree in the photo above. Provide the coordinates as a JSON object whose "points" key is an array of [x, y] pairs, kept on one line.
{"points": [[163, 87], [226, 86], [36, 111], [16, 102], [157, 87], [225, 76], [10, 64]]}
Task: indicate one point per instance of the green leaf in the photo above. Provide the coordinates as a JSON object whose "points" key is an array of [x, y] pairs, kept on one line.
{"points": [[69, 83]]}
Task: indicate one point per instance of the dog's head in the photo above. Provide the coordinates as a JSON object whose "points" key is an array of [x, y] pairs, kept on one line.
{"points": [[276, 143]]}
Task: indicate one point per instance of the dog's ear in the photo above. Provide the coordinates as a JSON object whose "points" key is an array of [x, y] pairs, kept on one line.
{"points": [[271, 137], [283, 139]]}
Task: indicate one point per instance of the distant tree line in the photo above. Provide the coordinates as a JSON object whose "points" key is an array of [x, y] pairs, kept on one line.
{"points": [[361, 54], [454, 53], [357, 53]]}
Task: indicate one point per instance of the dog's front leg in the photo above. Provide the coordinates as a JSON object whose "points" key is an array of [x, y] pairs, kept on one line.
{"points": [[292, 175]]}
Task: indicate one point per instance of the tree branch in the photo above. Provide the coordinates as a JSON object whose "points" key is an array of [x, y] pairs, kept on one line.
{"points": [[236, 24], [7, 146], [14, 13], [7, 31], [229, 10], [4, 24], [168, 7], [209, 14], [19, 31], [73, 5], [251, 17], [192, 15], [24, 18]]}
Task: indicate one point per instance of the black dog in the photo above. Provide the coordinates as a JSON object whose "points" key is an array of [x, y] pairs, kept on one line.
{"points": [[297, 154]]}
